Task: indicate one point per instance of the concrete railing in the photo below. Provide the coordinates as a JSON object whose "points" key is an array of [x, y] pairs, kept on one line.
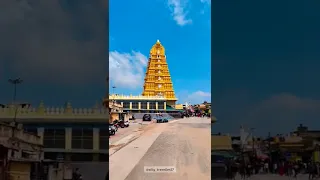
{"points": [[139, 97], [53, 111]]}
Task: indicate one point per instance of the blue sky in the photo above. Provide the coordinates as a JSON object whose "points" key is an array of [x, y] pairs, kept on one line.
{"points": [[58, 48], [265, 65], [184, 29]]}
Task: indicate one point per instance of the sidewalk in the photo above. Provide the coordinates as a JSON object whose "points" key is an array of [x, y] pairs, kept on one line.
{"points": [[132, 153], [119, 144]]}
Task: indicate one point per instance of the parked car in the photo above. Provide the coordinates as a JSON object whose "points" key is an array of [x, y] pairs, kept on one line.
{"points": [[146, 117], [112, 130], [159, 120], [162, 120]]}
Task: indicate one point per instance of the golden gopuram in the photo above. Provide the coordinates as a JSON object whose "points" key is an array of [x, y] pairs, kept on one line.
{"points": [[157, 81], [158, 92]]}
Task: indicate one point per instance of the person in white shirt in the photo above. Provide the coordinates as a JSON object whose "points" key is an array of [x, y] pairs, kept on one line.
{"points": [[275, 168], [266, 167]]}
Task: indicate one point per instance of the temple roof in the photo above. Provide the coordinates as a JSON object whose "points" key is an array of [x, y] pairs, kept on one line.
{"points": [[157, 46]]}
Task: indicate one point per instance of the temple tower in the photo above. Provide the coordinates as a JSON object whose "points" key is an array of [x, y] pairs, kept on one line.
{"points": [[157, 81]]}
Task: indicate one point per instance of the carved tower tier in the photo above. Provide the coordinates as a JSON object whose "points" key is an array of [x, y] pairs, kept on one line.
{"points": [[157, 81]]}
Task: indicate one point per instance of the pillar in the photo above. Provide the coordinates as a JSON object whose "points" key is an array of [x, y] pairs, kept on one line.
{"points": [[165, 105], [147, 105], [96, 138], [156, 105], [68, 138], [121, 104], [139, 105], [130, 107], [40, 133]]}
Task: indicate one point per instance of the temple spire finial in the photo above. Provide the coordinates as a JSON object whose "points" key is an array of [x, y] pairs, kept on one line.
{"points": [[158, 41]]}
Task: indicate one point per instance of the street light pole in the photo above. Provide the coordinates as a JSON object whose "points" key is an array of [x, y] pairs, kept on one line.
{"points": [[15, 82], [243, 142], [113, 95]]}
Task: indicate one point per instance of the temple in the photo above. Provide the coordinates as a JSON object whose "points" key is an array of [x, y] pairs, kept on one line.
{"points": [[157, 81], [158, 92]]}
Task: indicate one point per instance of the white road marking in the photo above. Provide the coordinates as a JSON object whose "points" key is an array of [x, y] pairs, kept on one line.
{"points": [[124, 140]]}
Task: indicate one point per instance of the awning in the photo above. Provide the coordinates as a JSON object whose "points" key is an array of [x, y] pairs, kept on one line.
{"points": [[168, 107], [173, 110]]}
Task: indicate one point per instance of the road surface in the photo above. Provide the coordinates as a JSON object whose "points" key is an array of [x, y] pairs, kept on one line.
{"points": [[123, 132], [183, 144]]}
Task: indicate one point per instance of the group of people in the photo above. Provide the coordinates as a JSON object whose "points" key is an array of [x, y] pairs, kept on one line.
{"points": [[283, 168], [195, 114]]}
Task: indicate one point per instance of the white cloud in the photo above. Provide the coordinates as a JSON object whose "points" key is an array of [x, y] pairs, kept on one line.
{"points": [[194, 97], [279, 113], [126, 70], [206, 7], [284, 112], [206, 1], [179, 13]]}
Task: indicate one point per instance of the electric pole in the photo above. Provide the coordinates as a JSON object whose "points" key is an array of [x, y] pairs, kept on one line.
{"points": [[15, 82]]}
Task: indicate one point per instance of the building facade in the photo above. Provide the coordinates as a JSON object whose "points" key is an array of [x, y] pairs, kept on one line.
{"points": [[70, 134], [115, 111], [19, 152], [143, 104]]}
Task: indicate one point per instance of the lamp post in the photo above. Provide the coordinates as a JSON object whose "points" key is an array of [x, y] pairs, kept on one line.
{"points": [[15, 82], [269, 147], [243, 141], [113, 95]]}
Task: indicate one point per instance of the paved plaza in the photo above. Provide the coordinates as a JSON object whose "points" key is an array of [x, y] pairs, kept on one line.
{"points": [[123, 132], [182, 144]]}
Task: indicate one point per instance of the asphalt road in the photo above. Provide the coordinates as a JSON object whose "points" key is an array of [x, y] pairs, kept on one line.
{"points": [[183, 144]]}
